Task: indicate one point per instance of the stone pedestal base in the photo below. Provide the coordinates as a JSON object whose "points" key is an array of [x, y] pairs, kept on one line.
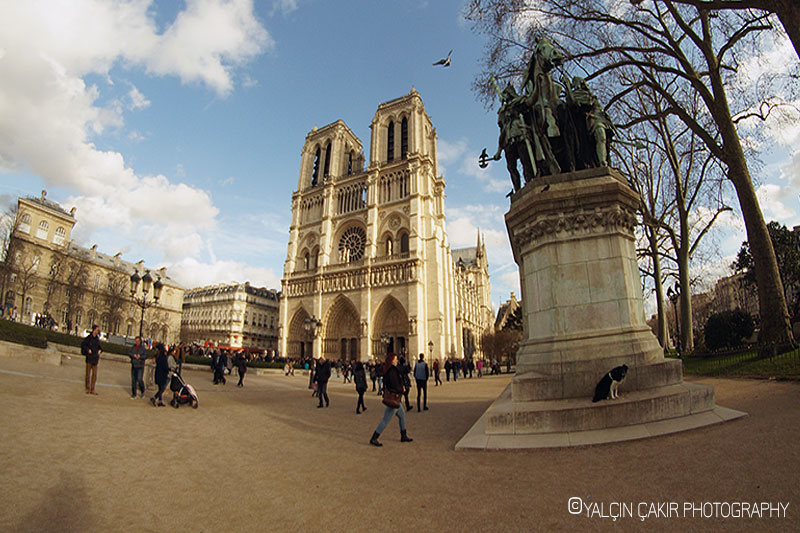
{"points": [[572, 237]]}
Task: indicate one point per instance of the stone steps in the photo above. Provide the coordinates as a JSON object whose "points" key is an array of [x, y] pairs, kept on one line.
{"points": [[533, 386], [580, 414]]}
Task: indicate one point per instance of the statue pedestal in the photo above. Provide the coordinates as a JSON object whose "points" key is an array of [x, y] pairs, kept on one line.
{"points": [[572, 238]]}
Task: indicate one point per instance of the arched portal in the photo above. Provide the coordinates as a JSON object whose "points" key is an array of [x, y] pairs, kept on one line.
{"points": [[341, 330], [299, 341], [390, 328]]}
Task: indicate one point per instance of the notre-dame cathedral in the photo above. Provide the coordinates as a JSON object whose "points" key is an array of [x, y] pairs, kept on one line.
{"points": [[369, 269]]}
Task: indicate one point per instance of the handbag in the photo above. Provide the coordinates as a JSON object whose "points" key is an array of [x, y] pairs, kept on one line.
{"points": [[391, 399]]}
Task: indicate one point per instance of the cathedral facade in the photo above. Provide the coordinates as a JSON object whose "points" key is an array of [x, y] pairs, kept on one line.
{"points": [[369, 269]]}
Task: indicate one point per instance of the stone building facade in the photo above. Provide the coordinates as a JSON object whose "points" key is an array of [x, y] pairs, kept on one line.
{"points": [[46, 272], [368, 268], [235, 315]]}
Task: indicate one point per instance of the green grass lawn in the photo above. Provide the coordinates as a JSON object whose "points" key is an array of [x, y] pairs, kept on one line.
{"points": [[747, 364]]}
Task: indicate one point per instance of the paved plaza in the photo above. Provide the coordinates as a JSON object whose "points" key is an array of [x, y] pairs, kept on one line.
{"points": [[263, 458]]}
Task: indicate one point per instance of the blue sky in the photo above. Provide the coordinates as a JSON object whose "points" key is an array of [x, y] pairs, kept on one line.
{"points": [[176, 127]]}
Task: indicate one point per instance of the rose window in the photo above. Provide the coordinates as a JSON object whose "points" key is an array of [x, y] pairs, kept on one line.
{"points": [[351, 245]]}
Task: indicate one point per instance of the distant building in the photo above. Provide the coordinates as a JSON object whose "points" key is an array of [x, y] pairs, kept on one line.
{"points": [[47, 273], [368, 267], [505, 311], [234, 315]]}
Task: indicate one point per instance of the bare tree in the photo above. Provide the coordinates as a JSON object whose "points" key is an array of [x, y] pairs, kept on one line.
{"points": [[8, 225], [698, 53], [75, 279], [787, 11], [115, 298]]}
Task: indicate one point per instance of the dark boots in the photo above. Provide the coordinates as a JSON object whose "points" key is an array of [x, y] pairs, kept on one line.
{"points": [[404, 436], [374, 439]]}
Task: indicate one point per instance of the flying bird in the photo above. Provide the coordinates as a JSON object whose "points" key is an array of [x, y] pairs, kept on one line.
{"points": [[444, 62]]}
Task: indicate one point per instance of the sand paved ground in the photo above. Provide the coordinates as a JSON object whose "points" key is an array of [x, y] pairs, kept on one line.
{"points": [[263, 458]]}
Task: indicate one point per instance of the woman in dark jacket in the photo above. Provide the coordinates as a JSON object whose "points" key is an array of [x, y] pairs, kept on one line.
{"points": [[241, 365], [360, 377], [392, 382], [162, 374]]}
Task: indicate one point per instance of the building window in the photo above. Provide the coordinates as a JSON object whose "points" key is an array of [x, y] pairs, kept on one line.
{"points": [[60, 236], [315, 172], [350, 163], [64, 315], [25, 223], [404, 243], [404, 138], [78, 317], [306, 259], [389, 246], [390, 142], [327, 160], [26, 310], [352, 244], [44, 227]]}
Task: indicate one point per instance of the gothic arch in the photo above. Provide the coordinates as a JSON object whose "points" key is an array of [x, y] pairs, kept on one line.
{"points": [[298, 340], [390, 322], [341, 330]]}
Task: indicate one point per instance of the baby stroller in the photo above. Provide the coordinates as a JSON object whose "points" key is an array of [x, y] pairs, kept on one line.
{"points": [[182, 392]]}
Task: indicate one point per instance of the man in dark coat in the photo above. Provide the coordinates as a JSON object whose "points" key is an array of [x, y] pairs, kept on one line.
{"points": [[322, 376], [90, 348]]}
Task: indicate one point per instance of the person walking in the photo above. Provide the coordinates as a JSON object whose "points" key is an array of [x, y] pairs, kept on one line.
{"points": [[421, 376], [312, 377], [448, 366], [322, 377], [372, 374], [360, 377], [241, 365], [138, 354], [219, 371], [437, 369], [379, 373], [405, 371], [479, 367], [393, 386], [90, 348], [162, 375]]}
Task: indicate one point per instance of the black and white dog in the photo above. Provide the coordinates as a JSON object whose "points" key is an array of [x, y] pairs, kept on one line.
{"points": [[607, 388]]}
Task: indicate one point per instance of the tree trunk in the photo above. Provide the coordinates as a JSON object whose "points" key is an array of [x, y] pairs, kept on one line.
{"points": [[685, 308], [775, 327], [661, 331], [789, 14]]}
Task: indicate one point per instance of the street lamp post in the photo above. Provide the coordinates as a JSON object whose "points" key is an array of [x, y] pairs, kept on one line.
{"points": [[146, 283], [312, 325], [430, 349], [673, 293]]}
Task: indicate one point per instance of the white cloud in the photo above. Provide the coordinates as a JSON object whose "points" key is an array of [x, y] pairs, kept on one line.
{"points": [[227, 181], [772, 199], [137, 99], [284, 6], [50, 117], [191, 273], [465, 160]]}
